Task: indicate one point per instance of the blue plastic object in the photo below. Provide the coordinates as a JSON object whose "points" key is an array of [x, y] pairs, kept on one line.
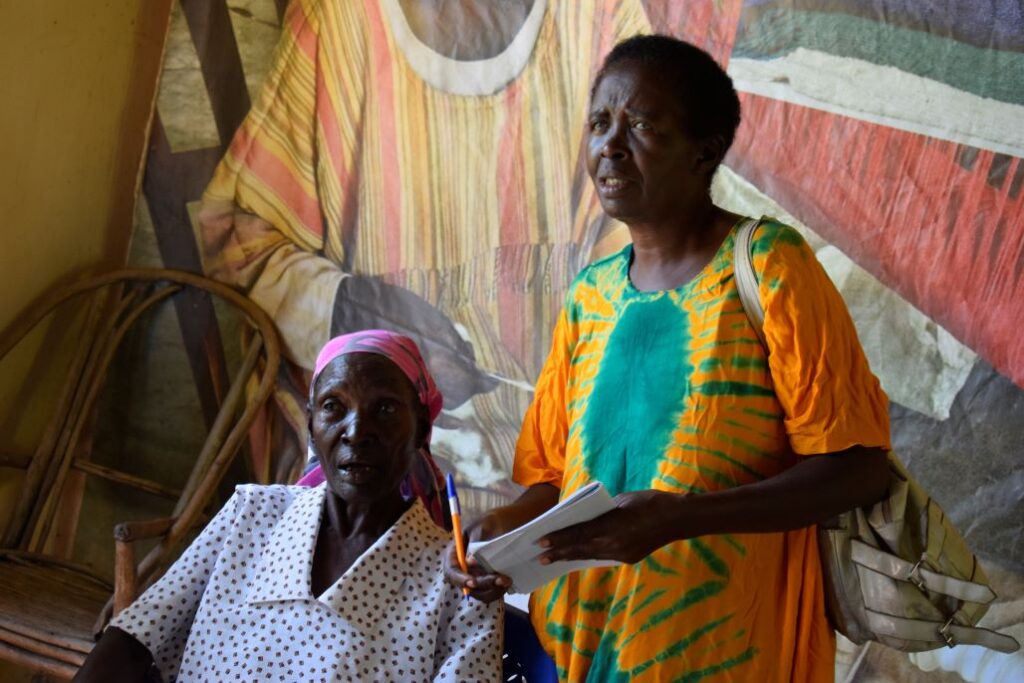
{"points": [[525, 660]]}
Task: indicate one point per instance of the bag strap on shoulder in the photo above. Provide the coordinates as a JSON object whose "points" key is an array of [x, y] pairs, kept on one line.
{"points": [[746, 277]]}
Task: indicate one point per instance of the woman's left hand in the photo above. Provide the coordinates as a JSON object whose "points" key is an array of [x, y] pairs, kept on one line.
{"points": [[638, 526]]}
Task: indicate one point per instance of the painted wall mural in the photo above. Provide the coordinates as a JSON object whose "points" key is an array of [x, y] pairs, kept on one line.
{"points": [[891, 132]]}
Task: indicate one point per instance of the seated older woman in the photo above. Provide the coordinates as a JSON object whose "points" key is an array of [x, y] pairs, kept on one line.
{"points": [[341, 581]]}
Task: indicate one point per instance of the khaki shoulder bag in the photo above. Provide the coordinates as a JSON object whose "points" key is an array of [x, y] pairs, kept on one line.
{"points": [[896, 572]]}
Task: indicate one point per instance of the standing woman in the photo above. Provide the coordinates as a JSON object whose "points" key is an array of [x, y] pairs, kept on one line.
{"points": [[722, 456]]}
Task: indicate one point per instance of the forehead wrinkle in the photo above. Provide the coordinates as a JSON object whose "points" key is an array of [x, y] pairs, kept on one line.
{"points": [[344, 384], [644, 112], [632, 99], [353, 364]]}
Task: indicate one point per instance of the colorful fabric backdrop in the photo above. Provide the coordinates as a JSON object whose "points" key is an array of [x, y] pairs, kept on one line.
{"points": [[889, 132]]}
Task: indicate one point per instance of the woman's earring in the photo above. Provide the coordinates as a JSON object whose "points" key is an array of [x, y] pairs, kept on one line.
{"points": [[405, 489]]}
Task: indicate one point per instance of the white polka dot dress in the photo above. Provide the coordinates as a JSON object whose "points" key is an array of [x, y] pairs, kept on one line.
{"points": [[237, 605]]}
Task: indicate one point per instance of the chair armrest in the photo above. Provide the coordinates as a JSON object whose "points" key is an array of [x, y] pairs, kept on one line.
{"points": [[128, 532], [125, 535]]}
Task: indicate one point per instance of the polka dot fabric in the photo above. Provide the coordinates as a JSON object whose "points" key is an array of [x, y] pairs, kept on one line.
{"points": [[238, 604]]}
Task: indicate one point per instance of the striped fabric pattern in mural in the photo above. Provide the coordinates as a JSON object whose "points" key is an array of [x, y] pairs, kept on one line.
{"points": [[351, 162]]}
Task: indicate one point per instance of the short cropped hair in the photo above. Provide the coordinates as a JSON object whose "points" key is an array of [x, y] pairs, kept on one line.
{"points": [[700, 85]]}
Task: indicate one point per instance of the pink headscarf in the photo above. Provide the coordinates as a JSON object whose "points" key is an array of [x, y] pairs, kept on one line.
{"points": [[425, 479]]}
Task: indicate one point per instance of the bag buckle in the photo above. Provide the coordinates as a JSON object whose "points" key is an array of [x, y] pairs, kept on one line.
{"points": [[914, 577], [946, 633]]}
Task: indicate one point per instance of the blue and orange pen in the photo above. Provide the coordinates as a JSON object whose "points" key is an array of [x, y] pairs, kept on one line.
{"points": [[456, 510]]}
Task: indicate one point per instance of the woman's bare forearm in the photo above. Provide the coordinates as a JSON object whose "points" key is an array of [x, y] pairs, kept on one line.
{"points": [[815, 489], [534, 502], [810, 492]]}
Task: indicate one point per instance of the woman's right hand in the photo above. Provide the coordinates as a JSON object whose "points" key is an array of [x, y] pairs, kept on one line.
{"points": [[481, 584]]}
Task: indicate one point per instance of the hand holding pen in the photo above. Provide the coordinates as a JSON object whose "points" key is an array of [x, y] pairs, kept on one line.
{"points": [[459, 567], [456, 510]]}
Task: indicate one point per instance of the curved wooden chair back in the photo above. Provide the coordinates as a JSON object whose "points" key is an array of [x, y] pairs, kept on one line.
{"points": [[50, 607]]}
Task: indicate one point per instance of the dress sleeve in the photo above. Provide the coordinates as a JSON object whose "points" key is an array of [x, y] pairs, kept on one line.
{"points": [[161, 618], [830, 398], [470, 647], [263, 221], [540, 450]]}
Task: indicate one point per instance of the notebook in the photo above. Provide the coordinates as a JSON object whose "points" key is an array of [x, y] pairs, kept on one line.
{"points": [[516, 553]]}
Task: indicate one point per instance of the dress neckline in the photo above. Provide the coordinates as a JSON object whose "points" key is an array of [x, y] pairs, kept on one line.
{"points": [[724, 250], [465, 77]]}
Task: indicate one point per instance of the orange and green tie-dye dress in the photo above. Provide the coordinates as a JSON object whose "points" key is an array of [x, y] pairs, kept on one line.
{"points": [[672, 390]]}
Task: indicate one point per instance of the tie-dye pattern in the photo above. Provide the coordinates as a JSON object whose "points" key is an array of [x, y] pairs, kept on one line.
{"points": [[672, 390]]}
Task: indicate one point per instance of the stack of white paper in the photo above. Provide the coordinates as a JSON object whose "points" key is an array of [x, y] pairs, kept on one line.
{"points": [[516, 554]]}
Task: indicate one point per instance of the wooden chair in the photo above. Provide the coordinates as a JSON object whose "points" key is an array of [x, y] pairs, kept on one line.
{"points": [[50, 607]]}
